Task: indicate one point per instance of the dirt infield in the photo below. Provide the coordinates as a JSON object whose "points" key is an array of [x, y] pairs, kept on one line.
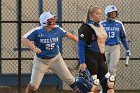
{"points": [[49, 89]]}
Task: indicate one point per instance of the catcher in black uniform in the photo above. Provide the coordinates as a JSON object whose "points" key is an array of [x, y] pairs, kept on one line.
{"points": [[91, 48]]}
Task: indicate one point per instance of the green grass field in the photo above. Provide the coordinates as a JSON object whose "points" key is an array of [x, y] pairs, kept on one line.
{"points": [[115, 92]]}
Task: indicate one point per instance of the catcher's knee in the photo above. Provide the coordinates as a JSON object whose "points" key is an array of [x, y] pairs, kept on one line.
{"points": [[108, 83], [109, 79], [111, 82], [96, 82]]}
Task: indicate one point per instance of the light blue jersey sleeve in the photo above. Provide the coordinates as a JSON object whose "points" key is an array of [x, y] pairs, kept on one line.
{"points": [[62, 32], [122, 31], [123, 37], [31, 35]]}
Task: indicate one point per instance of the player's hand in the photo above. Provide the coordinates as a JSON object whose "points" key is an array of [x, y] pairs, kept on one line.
{"points": [[37, 50], [128, 53], [83, 67], [76, 39]]}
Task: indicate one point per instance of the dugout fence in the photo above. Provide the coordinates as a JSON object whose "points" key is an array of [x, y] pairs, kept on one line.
{"points": [[19, 16]]}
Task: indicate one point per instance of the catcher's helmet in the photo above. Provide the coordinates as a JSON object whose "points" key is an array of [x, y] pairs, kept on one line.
{"points": [[44, 17], [109, 9], [84, 81]]}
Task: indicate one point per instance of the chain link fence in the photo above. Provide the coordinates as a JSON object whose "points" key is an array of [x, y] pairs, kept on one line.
{"points": [[19, 16]]}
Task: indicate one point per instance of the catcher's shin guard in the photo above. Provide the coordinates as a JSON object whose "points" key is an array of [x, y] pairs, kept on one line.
{"points": [[110, 83], [96, 82]]}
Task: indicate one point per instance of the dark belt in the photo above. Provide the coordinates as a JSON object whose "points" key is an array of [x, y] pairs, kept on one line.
{"points": [[47, 57], [113, 45]]}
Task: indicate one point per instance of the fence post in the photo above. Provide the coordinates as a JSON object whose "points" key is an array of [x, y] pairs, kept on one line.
{"points": [[59, 9], [0, 30], [19, 16]]}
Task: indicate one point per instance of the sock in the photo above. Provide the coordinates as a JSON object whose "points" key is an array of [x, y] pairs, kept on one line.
{"points": [[75, 88]]}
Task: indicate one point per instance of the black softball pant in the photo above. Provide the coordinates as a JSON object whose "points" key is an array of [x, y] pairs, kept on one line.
{"points": [[96, 64]]}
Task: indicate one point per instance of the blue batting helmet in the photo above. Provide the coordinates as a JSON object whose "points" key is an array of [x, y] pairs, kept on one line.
{"points": [[44, 18]]}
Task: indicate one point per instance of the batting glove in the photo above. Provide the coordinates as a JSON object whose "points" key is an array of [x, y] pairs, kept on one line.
{"points": [[128, 53]]}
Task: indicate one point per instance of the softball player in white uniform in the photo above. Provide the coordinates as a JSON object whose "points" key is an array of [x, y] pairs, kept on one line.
{"points": [[116, 35], [46, 40]]}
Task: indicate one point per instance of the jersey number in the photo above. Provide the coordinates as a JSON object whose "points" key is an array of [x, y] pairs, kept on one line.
{"points": [[111, 34], [50, 46]]}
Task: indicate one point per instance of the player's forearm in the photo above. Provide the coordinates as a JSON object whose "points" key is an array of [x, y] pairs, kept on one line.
{"points": [[28, 43], [81, 51], [74, 38], [125, 43]]}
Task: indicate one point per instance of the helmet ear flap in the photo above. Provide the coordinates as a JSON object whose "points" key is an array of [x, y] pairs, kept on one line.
{"points": [[108, 15], [45, 23], [44, 17]]}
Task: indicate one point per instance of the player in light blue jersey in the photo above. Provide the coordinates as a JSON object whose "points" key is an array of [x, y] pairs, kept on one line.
{"points": [[116, 36], [46, 40]]}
